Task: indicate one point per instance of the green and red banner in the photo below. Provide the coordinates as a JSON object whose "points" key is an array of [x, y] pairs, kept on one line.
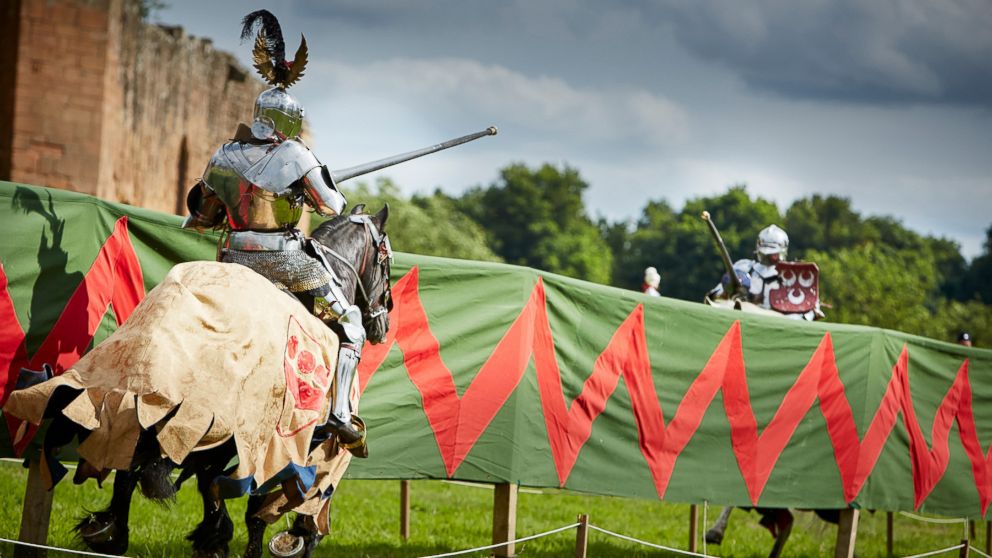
{"points": [[497, 373]]}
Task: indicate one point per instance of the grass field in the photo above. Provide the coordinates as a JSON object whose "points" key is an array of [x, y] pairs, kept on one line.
{"points": [[446, 517]]}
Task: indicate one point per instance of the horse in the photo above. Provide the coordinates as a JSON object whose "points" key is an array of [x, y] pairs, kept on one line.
{"points": [[357, 249], [778, 521]]}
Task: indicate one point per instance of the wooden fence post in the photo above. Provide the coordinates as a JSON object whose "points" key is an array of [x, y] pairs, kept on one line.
{"points": [[504, 518], [582, 536], [847, 533], [890, 534], [964, 553], [405, 509], [693, 526], [36, 512]]}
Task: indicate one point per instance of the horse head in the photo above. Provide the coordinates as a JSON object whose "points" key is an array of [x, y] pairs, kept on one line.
{"points": [[358, 249]]}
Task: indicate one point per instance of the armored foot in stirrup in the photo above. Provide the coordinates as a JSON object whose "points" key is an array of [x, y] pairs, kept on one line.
{"points": [[350, 436]]}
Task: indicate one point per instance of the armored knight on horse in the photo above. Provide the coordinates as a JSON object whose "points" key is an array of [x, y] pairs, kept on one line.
{"points": [[256, 186], [767, 285]]}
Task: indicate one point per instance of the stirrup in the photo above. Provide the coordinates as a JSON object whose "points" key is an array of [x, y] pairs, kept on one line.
{"points": [[286, 545], [351, 437]]}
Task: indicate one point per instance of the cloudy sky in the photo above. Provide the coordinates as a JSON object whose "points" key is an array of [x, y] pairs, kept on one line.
{"points": [[887, 102]]}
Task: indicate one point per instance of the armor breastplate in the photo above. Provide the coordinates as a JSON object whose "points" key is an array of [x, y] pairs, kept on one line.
{"points": [[259, 183]]}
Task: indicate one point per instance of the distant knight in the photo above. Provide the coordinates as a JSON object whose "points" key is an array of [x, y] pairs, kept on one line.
{"points": [[789, 288], [256, 187]]}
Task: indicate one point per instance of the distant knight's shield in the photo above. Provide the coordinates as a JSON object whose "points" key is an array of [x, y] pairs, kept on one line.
{"points": [[798, 289]]}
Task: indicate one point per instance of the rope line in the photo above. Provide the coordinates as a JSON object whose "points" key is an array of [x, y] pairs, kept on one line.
{"points": [[932, 519], [45, 547], [645, 543], [935, 552], [522, 539], [979, 552]]}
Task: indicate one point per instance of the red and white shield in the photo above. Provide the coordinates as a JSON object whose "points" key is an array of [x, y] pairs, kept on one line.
{"points": [[798, 287]]}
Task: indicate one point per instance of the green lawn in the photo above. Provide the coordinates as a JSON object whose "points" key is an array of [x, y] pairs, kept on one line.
{"points": [[447, 516]]}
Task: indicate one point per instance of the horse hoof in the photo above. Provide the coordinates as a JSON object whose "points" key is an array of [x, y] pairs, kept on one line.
{"points": [[101, 533], [209, 554], [286, 545], [95, 530], [714, 537]]}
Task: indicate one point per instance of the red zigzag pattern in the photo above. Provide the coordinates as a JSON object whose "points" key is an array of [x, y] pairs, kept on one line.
{"points": [[458, 422], [115, 278]]}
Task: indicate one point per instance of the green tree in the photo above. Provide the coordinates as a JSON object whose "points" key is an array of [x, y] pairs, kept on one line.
{"points": [[877, 285], [427, 225], [822, 223], [688, 261], [651, 242], [537, 218], [978, 281]]}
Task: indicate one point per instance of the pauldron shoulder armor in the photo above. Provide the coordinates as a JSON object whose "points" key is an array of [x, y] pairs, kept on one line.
{"points": [[270, 166]]}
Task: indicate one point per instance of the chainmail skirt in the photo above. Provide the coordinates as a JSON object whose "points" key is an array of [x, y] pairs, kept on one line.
{"points": [[291, 269]]}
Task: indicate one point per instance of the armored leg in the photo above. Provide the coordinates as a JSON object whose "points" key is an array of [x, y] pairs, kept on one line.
{"points": [[340, 420]]}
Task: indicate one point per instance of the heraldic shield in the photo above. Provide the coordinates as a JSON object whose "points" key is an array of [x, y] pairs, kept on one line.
{"points": [[799, 287]]}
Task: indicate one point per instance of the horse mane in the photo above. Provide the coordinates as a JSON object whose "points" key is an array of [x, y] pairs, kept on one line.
{"points": [[332, 226]]}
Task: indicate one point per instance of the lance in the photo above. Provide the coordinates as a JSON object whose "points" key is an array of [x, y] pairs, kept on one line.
{"points": [[735, 282], [351, 172]]}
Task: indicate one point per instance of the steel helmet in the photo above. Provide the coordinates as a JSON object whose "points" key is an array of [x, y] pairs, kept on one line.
{"points": [[278, 115], [772, 240]]}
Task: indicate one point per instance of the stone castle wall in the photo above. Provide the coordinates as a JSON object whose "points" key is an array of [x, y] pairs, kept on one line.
{"points": [[105, 104]]}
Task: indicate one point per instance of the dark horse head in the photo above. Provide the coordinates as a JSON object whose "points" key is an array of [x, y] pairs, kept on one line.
{"points": [[357, 247]]}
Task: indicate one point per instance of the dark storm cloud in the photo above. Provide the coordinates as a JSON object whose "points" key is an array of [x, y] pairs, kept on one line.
{"points": [[875, 52], [879, 51]]}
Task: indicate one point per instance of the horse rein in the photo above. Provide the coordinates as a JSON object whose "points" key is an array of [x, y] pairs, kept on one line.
{"points": [[381, 243]]}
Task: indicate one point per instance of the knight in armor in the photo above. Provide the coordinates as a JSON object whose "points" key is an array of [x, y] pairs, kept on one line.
{"points": [[761, 280], [257, 186]]}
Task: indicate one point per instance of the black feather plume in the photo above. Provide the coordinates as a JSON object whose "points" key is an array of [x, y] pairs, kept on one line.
{"points": [[271, 32]]}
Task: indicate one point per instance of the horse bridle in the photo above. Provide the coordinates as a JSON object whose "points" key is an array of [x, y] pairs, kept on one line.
{"points": [[380, 243]]}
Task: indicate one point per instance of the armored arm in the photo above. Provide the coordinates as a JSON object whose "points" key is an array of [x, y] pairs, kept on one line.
{"points": [[206, 210], [322, 193]]}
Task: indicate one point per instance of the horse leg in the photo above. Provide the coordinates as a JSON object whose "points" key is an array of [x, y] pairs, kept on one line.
{"points": [[256, 528], [106, 531], [715, 533], [305, 525], [211, 537], [782, 521]]}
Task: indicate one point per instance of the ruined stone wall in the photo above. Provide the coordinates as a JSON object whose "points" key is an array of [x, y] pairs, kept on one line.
{"points": [[10, 11], [111, 106], [171, 100], [58, 93]]}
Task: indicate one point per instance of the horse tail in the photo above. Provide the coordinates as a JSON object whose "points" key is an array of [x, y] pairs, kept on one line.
{"points": [[155, 480], [154, 471]]}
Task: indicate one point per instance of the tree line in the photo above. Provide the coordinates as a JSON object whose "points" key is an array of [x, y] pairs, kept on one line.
{"points": [[873, 270]]}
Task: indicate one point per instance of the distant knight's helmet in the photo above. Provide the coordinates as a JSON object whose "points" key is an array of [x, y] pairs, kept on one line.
{"points": [[278, 115], [772, 240]]}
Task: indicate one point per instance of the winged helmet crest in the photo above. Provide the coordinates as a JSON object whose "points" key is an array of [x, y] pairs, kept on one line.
{"points": [[269, 52]]}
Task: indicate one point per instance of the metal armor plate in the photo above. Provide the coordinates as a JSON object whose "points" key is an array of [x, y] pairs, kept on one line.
{"points": [[798, 287], [255, 183], [271, 167]]}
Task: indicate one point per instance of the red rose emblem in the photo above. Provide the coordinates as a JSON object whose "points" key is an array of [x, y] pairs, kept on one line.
{"points": [[306, 363]]}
